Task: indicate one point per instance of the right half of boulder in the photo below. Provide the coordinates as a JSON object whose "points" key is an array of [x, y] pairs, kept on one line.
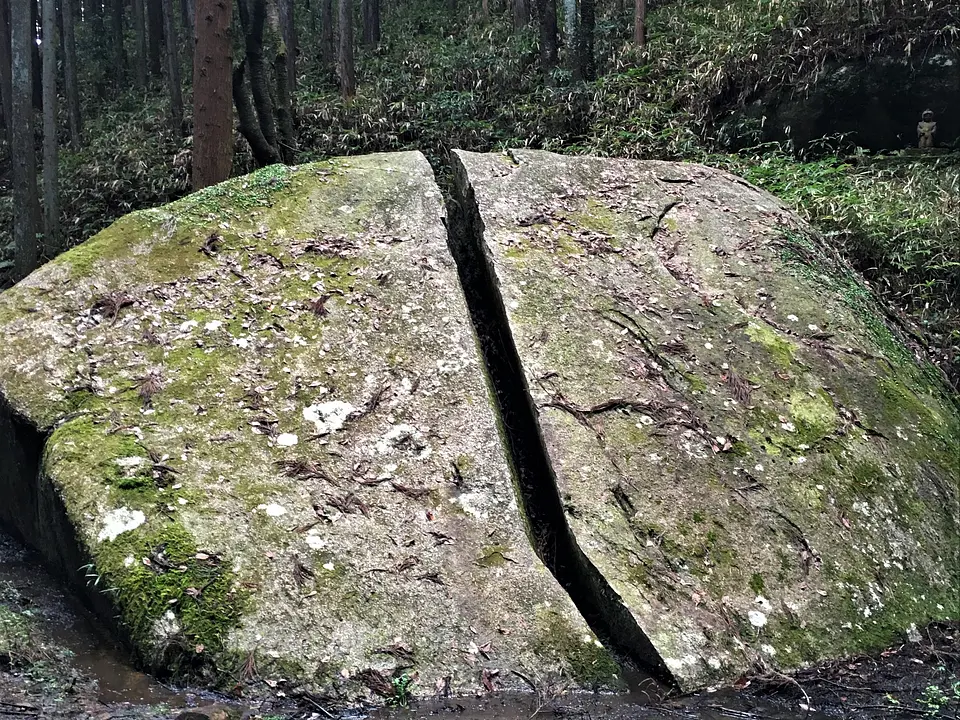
{"points": [[745, 447]]}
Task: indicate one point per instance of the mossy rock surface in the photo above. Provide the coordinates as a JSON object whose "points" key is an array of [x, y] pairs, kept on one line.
{"points": [[746, 447], [266, 424]]}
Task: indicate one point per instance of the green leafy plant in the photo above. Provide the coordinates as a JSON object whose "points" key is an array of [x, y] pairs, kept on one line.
{"points": [[401, 685]]}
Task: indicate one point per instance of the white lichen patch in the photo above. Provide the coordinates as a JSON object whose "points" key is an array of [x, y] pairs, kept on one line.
{"points": [[120, 521], [328, 416]]}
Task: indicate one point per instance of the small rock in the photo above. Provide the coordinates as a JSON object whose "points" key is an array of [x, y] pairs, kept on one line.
{"points": [[211, 712]]}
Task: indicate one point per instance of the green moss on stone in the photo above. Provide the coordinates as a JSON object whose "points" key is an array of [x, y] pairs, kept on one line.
{"points": [[781, 349], [168, 599], [584, 657]]}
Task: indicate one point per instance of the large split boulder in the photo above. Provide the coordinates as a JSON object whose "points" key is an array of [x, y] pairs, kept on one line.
{"points": [[257, 420], [745, 448]]}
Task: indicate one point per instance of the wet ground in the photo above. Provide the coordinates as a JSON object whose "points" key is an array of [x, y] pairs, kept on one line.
{"points": [[71, 668]]}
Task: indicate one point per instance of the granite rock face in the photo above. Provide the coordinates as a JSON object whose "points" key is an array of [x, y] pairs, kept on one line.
{"points": [[303, 426], [266, 434], [744, 447]]}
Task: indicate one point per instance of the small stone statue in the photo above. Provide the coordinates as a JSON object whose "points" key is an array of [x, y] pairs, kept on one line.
{"points": [[926, 129]]}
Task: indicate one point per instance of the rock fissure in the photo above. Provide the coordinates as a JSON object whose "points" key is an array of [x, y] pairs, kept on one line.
{"points": [[537, 486]]}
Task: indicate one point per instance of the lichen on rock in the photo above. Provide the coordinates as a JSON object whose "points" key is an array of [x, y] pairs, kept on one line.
{"points": [[746, 448], [267, 428]]}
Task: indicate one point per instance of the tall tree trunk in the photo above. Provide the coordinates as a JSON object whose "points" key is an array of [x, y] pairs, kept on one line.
{"points": [[521, 13], [282, 64], [263, 152], [485, 11], [6, 82], [328, 54], [155, 36], [212, 106], [70, 74], [23, 152], [288, 31], [51, 202], [140, 37], [255, 12], [569, 22], [173, 68], [370, 9], [585, 40], [640, 23], [186, 16], [547, 10], [348, 74], [117, 57]]}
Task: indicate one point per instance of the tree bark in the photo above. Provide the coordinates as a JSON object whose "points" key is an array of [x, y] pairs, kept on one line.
{"points": [[370, 9], [282, 65], [70, 74], [288, 31], [187, 16], [6, 81], [51, 202], [485, 11], [547, 10], [155, 36], [640, 23], [348, 74], [173, 69], [23, 152], [521, 13], [212, 106], [263, 152], [254, 18], [117, 57], [140, 37], [328, 55], [587, 69]]}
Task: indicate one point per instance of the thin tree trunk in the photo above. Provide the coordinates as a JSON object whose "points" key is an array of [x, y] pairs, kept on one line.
{"points": [[140, 37], [640, 23], [521, 13], [370, 10], [569, 21], [6, 82], [255, 26], [287, 138], [585, 40], [263, 152], [348, 75], [282, 63], [51, 202], [547, 10], [116, 43], [23, 152], [288, 31], [485, 11], [328, 56], [173, 69], [212, 105], [186, 16], [155, 37], [70, 74]]}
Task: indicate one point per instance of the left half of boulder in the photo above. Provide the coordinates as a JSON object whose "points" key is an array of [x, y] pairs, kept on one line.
{"points": [[254, 423]]}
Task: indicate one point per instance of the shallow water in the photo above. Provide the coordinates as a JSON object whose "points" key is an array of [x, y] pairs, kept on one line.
{"points": [[61, 618]]}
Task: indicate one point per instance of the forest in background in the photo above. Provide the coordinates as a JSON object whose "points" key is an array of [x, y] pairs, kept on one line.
{"points": [[309, 79]]}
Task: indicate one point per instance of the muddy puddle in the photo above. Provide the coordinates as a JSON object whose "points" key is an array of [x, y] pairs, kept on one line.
{"points": [[97, 681]]}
